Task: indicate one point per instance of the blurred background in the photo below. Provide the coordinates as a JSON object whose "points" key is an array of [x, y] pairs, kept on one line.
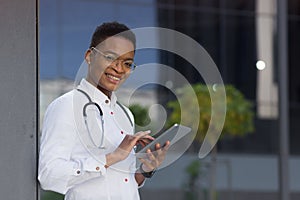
{"points": [[241, 38]]}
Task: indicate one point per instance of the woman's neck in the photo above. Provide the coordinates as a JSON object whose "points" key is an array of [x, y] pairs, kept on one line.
{"points": [[104, 91]]}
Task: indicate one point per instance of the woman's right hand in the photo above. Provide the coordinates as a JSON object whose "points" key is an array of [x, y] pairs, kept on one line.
{"points": [[127, 144]]}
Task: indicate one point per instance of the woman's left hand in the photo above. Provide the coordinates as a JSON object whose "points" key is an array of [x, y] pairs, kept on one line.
{"points": [[154, 159]]}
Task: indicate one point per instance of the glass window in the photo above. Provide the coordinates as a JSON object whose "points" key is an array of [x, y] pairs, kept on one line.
{"points": [[293, 7], [239, 5]]}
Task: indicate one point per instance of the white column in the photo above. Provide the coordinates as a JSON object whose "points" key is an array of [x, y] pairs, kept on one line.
{"points": [[19, 100], [267, 90]]}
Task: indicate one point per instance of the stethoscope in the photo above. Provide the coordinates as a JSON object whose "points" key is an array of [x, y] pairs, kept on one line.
{"points": [[92, 103]]}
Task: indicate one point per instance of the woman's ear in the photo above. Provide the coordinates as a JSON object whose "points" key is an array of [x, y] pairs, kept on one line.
{"points": [[87, 56]]}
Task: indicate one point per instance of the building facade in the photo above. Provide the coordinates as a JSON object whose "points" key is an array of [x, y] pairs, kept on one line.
{"points": [[239, 35]]}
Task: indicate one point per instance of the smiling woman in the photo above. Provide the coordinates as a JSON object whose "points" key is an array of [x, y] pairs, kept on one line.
{"points": [[108, 70], [78, 166], [64, 38]]}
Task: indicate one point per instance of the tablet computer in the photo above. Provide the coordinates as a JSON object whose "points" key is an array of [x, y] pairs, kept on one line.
{"points": [[173, 134]]}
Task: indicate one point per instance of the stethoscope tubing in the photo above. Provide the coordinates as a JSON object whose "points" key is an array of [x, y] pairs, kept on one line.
{"points": [[91, 103], [84, 113]]}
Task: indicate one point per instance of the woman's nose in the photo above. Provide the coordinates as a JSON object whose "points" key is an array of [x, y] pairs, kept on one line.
{"points": [[118, 66]]}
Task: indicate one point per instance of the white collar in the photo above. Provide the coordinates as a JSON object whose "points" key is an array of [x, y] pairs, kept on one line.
{"points": [[95, 94]]}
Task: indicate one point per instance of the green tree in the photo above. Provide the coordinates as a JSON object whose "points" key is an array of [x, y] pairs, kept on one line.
{"points": [[238, 120], [239, 113], [141, 116]]}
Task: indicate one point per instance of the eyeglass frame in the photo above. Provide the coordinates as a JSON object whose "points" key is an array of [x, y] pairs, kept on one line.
{"points": [[114, 59]]}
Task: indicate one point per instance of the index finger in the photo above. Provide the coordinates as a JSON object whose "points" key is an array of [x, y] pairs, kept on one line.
{"points": [[142, 134], [166, 145]]}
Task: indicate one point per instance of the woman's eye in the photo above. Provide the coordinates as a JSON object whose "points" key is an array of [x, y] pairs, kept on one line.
{"points": [[128, 64], [109, 57]]}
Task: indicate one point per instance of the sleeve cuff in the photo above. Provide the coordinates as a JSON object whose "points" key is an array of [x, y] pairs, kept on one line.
{"points": [[94, 165]]}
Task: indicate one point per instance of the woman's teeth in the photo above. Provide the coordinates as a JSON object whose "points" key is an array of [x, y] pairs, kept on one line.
{"points": [[113, 77]]}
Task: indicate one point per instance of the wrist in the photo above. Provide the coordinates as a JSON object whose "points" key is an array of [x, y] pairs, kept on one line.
{"points": [[146, 174], [119, 154], [112, 158], [144, 168]]}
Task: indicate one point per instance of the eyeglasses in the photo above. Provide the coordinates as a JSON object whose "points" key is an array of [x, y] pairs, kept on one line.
{"points": [[128, 65]]}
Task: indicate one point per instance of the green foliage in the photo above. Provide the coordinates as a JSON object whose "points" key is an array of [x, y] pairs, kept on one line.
{"points": [[193, 172], [239, 113], [140, 114], [48, 195]]}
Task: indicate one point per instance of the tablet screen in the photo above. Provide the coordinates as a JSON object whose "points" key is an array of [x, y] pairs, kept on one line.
{"points": [[173, 134]]}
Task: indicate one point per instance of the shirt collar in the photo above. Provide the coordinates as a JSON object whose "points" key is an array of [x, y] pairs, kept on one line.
{"points": [[96, 94]]}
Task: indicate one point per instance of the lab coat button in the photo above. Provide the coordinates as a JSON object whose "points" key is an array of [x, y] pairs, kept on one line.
{"points": [[97, 168], [122, 132], [126, 180], [78, 172], [111, 113], [106, 101]]}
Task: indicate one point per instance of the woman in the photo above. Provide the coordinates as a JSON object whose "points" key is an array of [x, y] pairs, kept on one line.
{"points": [[85, 162]]}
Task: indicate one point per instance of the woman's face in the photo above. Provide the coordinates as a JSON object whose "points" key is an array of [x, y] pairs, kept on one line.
{"points": [[108, 63]]}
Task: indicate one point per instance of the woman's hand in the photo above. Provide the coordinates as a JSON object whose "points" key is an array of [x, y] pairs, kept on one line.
{"points": [[155, 158], [127, 145]]}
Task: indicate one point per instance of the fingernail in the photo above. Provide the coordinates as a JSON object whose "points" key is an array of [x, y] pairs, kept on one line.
{"points": [[148, 131]]}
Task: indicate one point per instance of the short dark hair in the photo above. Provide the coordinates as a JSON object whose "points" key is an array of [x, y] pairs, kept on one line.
{"points": [[109, 29]]}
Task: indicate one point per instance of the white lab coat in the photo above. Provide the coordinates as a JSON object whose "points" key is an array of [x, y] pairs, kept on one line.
{"points": [[69, 161]]}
